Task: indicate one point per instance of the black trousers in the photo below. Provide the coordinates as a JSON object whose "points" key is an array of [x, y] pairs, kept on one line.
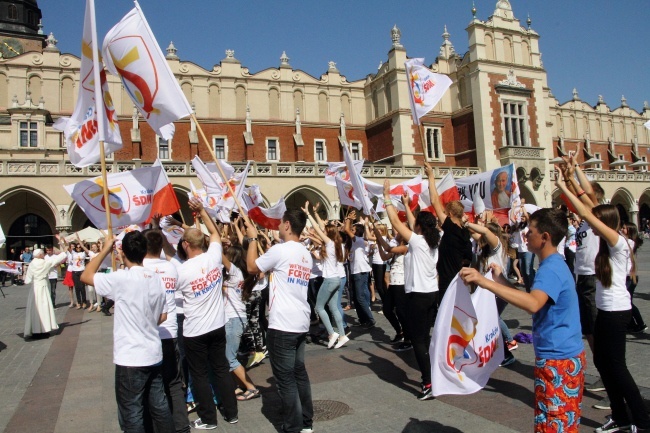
{"points": [[172, 375], [394, 307], [79, 287], [422, 310], [204, 353]]}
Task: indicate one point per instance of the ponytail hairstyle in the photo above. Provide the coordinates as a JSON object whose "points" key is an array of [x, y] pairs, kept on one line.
{"points": [[333, 233], [633, 234], [608, 215], [429, 227]]}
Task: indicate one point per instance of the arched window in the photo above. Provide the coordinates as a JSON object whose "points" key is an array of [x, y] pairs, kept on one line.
{"points": [[240, 102], [525, 53], [4, 92], [489, 47], [323, 112], [187, 91], [274, 103], [67, 95], [345, 107], [12, 12], [35, 88], [214, 102], [507, 50], [298, 104]]}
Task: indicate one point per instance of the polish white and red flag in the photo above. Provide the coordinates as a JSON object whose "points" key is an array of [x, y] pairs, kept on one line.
{"points": [[130, 197], [413, 188], [269, 218], [340, 170], [132, 52], [347, 195], [11, 267], [447, 191], [94, 119], [426, 88], [165, 201]]}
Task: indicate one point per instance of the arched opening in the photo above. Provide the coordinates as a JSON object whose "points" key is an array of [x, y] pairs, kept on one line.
{"points": [[30, 230], [623, 200], [296, 199], [526, 194], [644, 209]]}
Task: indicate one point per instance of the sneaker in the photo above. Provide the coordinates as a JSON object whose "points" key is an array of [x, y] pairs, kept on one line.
{"points": [[404, 347], [233, 420], [426, 393], [199, 425], [604, 404], [512, 345], [596, 387], [509, 360], [612, 426], [255, 359], [397, 339], [191, 407], [639, 329], [307, 430], [332, 340], [369, 325], [342, 340]]}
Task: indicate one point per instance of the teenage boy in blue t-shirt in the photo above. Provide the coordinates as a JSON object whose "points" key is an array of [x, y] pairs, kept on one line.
{"points": [[557, 336]]}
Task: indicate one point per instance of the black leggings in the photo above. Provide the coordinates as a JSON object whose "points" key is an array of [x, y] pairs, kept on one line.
{"points": [[422, 310], [378, 273], [79, 287], [394, 304]]}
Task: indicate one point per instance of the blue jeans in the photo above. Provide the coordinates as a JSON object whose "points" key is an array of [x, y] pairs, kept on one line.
{"points": [[287, 353], [527, 270], [132, 386], [234, 331], [340, 298], [362, 297], [327, 295]]}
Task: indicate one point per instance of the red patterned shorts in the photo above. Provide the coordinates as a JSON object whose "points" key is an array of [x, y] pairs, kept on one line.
{"points": [[559, 384]]}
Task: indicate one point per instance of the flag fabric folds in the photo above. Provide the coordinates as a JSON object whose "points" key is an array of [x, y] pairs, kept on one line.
{"points": [[11, 267], [340, 170], [426, 88], [164, 197], [447, 192], [466, 342], [130, 197], [82, 130], [357, 183], [131, 51], [347, 195], [269, 218]]}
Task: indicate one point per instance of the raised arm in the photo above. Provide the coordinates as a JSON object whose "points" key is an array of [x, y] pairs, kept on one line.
{"points": [[599, 227], [197, 206], [93, 266], [492, 239], [321, 234], [348, 224], [433, 194], [398, 225], [317, 217], [410, 218]]}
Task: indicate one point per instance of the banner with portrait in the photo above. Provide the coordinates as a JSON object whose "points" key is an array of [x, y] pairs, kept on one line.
{"points": [[498, 188]]}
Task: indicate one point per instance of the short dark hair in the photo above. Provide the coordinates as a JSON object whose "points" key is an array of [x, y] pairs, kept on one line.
{"points": [[551, 221], [154, 241], [134, 247], [297, 220]]}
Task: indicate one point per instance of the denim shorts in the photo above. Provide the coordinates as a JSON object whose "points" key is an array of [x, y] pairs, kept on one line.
{"points": [[234, 331]]}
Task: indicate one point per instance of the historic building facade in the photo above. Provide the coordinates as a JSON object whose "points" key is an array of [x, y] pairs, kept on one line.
{"points": [[498, 110]]}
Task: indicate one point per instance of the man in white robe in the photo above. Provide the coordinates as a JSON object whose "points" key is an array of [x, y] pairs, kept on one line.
{"points": [[39, 317]]}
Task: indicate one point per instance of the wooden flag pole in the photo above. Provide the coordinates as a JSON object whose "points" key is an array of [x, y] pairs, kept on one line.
{"points": [[422, 142], [214, 157], [107, 203]]}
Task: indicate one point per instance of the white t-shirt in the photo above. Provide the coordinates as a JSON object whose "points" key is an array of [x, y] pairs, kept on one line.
{"points": [[200, 280], [587, 245], [54, 271], [290, 266], [340, 266], [177, 262], [235, 307], [560, 247], [522, 245], [359, 256], [78, 262], [68, 262], [168, 276], [330, 269], [420, 273], [139, 302], [496, 256], [616, 297]]}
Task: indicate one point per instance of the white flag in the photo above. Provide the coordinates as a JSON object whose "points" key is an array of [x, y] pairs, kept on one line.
{"points": [[347, 195], [357, 182], [340, 170], [131, 51], [85, 129], [426, 88], [466, 345], [130, 197], [3, 239]]}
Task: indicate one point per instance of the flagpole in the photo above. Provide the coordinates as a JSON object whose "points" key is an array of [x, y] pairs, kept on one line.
{"points": [[424, 150], [214, 157], [99, 104]]}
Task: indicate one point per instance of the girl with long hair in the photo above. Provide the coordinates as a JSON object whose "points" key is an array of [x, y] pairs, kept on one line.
{"points": [[613, 303], [328, 292], [420, 279]]}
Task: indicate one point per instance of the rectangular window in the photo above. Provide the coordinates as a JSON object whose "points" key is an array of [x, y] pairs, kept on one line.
{"points": [[598, 166], [319, 151], [433, 138], [220, 147], [28, 134], [355, 150], [272, 150], [621, 157], [164, 149], [515, 121]]}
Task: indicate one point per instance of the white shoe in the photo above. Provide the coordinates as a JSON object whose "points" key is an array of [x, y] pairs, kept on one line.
{"points": [[342, 340], [332, 340]]}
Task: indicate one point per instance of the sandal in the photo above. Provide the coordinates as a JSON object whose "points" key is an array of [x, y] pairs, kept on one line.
{"points": [[239, 391], [249, 394]]}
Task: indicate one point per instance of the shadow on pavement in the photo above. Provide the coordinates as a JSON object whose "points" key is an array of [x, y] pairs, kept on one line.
{"points": [[64, 325], [417, 426], [271, 404]]}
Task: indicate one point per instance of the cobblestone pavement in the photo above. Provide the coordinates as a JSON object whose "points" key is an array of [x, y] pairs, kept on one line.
{"points": [[64, 384]]}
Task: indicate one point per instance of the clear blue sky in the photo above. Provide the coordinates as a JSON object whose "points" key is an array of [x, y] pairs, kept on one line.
{"points": [[600, 46]]}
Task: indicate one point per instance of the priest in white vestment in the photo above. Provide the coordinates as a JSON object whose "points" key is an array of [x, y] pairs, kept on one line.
{"points": [[40, 318]]}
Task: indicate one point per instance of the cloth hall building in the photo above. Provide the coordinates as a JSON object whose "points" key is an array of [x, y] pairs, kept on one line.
{"points": [[498, 110]]}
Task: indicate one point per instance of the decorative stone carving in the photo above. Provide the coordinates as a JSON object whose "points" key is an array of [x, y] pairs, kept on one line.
{"points": [[396, 36], [51, 43], [171, 51], [331, 66], [511, 80], [184, 68]]}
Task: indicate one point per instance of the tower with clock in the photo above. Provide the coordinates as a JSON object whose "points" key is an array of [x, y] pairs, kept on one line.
{"points": [[20, 27]]}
